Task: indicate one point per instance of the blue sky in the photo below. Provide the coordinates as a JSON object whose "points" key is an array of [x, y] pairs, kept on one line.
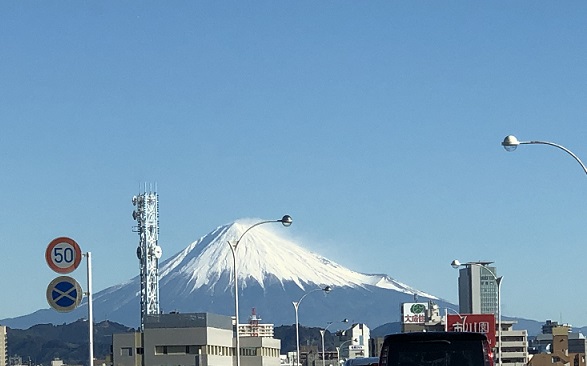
{"points": [[375, 124]]}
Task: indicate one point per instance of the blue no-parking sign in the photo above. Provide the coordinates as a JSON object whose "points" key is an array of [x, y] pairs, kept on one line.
{"points": [[64, 294]]}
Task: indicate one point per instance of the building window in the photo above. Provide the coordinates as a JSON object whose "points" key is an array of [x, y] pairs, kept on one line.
{"points": [[126, 351], [193, 350], [176, 350], [219, 350], [248, 351]]}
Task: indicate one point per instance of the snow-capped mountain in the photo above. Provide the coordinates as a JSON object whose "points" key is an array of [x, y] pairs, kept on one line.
{"points": [[272, 272]]}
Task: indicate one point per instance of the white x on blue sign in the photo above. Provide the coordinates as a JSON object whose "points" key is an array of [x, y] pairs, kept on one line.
{"points": [[64, 294]]}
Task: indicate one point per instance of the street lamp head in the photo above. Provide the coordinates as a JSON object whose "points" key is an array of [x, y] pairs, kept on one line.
{"points": [[455, 264], [510, 143], [345, 320], [327, 289], [286, 220]]}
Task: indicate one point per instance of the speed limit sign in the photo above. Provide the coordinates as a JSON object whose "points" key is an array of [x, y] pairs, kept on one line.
{"points": [[63, 255]]}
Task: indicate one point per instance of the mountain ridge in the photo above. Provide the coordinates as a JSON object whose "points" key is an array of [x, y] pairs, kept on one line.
{"points": [[273, 272], [256, 257]]}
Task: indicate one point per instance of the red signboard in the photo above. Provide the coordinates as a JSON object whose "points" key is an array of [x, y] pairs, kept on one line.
{"points": [[478, 323]]}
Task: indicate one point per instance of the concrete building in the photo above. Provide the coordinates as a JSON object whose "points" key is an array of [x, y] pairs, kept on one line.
{"points": [[549, 325], [559, 352], [3, 346], [478, 289], [543, 342], [198, 339], [354, 342], [256, 330], [514, 345]]}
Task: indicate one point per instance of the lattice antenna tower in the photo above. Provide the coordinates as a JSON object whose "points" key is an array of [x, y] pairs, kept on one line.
{"points": [[146, 214]]}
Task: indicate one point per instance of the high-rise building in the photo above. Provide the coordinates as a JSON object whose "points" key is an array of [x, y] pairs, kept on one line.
{"points": [[478, 289]]}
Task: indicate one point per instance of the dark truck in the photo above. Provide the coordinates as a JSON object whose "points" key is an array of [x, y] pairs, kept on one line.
{"points": [[436, 349]]}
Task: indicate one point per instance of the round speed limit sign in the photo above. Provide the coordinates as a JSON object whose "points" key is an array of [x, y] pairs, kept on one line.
{"points": [[63, 255]]}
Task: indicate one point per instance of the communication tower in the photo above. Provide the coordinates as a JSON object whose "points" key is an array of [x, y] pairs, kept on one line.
{"points": [[254, 323], [146, 214]]}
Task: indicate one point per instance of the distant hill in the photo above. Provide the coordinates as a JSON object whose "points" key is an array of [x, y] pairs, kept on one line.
{"points": [[69, 342], [385, 329]]}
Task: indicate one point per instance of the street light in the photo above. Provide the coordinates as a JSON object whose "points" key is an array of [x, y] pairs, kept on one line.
{"points": [[446, 317], [322, 331], [286, 221], [296, 305], [340, 347], [456, 264], [510, 143]]}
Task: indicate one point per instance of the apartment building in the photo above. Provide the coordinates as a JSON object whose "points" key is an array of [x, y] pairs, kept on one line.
{"points": [[514, 345], [256, 330]]}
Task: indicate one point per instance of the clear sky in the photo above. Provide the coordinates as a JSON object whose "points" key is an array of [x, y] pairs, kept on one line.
{"points": [[375, 124]]}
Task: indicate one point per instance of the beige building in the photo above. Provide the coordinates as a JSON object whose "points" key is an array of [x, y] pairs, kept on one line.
{"points": [[3, 346], [352, 342], [256, 330], [199, 339], [514, 345]]}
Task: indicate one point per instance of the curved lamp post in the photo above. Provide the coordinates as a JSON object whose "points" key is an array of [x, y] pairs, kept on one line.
{"points": [[286, 221], [510, 143], [446, 317], [340, 347], [322, 331], [296, 305], [456, 264]]}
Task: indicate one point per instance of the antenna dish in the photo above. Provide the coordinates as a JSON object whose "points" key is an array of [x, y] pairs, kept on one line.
{"points": [[157, 252]]}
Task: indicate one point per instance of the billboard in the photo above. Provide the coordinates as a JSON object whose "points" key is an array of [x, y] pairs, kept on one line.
{"points": [[356, 351], [479, 323], [414, 312]]}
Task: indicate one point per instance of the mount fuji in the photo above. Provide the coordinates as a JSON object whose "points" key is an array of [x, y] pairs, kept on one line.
{"points": [[272, 272]]}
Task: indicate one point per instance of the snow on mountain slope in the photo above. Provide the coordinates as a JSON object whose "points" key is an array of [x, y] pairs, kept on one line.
{"points": [[272, 272], [260, 253]]}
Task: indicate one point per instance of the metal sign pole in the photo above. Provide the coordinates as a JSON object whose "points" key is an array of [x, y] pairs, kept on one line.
{"points": [[90, 311]]}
